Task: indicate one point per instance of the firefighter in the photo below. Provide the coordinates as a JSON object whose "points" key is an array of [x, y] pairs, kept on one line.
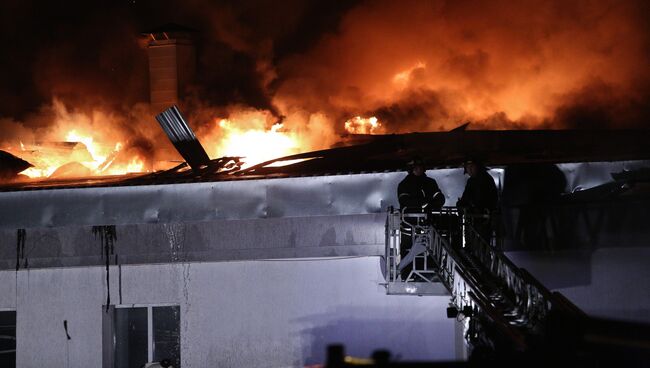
{"points": [[480, 197], [416, 193], [480, 191]]}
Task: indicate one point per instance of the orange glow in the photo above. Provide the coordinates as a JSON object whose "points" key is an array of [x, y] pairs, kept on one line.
{"points": [[91, 158], [77, 145], [33, 172], [135, 165], [429, 66], [95, 152], [359, 125], [258, 136], [80, 144], [406, 66], [403, 78], [254, 135], [255, 145]]}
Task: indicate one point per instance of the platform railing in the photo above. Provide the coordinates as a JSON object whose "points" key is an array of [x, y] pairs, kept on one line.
{"points": [[532, 300], [392, 254], [475, 272], [418, 227]]}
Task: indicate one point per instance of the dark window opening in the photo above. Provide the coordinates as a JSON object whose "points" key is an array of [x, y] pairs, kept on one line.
{"points": [[8, 339], [134, 336]]}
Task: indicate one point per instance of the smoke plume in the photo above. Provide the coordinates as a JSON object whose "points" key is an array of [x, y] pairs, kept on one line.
{"points": [[312, 65]]}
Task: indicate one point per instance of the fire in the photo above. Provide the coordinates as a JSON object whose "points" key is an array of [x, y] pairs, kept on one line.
{"points": [[93, 148], [77, 155], [255, 135], [413, 65], [33, 172], [135, 165], [78, 144], [255, 145], [359, 125]]}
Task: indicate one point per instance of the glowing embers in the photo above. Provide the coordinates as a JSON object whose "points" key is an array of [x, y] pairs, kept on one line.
{"points": [[256, 145], [359, 125]]}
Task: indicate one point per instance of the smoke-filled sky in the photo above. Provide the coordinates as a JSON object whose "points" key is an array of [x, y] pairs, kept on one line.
{"points": [[415, 65]]}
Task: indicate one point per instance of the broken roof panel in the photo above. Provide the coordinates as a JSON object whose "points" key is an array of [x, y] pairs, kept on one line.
{"points": [[11, 165], [183, 138]]}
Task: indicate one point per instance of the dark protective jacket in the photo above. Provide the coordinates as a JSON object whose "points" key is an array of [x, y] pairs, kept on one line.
{"points": [[416, 191], [480, 192]]}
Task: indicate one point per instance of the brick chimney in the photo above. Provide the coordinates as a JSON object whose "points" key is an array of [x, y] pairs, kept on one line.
{"points": [[172, 64]]}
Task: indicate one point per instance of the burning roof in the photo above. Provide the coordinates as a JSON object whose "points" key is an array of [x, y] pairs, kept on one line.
{"points": [[265, 91], [382, 153]]}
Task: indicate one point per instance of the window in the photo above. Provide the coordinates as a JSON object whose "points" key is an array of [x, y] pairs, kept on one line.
{"points": [[7, 338], [135, 335]]}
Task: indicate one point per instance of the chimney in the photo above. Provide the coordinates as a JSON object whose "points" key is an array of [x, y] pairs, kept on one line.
{"points": [[172, 64]]}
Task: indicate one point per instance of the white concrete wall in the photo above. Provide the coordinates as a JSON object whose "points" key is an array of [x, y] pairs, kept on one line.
{"points": [[233, 314], [610, 283], [7, 290], [222, 240], [619, 286]]}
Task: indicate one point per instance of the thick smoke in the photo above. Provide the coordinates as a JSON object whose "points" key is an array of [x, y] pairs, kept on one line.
{"points": [[432, 65], [415, 65]]}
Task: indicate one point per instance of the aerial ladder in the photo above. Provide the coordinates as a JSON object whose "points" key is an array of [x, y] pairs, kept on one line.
{"points": [[503, 306], [508, 317]]}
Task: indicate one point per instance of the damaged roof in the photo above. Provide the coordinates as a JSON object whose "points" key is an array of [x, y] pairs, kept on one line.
{"points": [[358, 154]]}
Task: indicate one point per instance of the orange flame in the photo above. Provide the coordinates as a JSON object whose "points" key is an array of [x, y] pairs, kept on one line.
{"points": [[255, 145], [359, 125], [77, 145], [96, 153], [89, 157]]}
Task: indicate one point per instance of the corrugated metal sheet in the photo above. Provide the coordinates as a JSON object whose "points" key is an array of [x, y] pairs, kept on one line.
{"points": [[267, 198]]}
